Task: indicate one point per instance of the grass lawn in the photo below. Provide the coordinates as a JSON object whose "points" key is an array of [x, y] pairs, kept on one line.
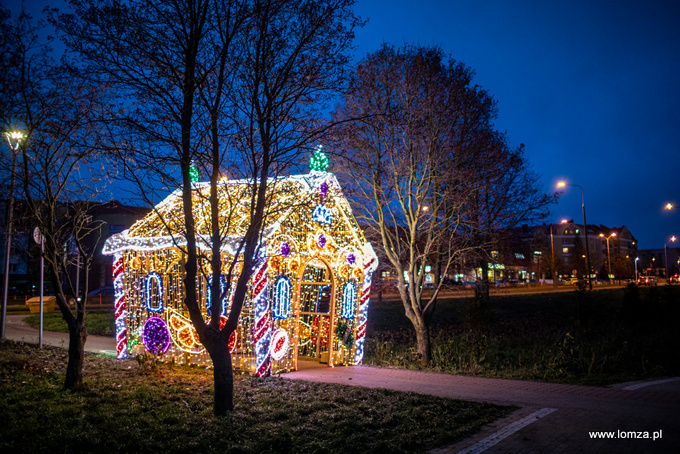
{"points": [[597, 338], [144, 407], [99, 323]]}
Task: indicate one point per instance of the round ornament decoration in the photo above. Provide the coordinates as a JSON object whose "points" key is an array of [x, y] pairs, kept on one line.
{"points": [[321, 241], [156, 335], [323, 189], [285, 249], [280, 344], [351, 259]]}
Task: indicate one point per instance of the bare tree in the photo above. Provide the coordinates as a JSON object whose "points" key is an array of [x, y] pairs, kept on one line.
{"points": [[57, 173], [412, 112], [417, 143], [504, 193], [233, 85]]}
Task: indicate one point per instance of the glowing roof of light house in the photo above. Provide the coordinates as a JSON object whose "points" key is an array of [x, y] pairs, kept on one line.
{"points": [[162, 227]]}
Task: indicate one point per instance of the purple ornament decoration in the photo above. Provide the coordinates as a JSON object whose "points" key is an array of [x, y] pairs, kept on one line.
{"points": [[156, 336], [321, 241], [351, 259], [285, 249], [323, 189]]}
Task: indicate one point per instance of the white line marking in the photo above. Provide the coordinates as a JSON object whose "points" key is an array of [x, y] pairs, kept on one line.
{"points": [[506, 431], [649, 383]]}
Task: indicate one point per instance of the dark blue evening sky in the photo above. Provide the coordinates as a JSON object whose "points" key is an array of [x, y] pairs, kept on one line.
{"points": [[592, 88]]}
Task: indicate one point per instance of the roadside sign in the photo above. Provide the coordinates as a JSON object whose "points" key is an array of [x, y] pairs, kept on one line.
{"points": [[37, 235]]}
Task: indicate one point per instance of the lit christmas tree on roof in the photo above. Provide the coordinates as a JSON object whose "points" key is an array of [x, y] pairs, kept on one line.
{"points": [[318, 161]]}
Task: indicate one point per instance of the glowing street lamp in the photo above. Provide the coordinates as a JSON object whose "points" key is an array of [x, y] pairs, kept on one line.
{"points": [[14, 139], [669, 206], [665, 254], [637, 259], [563, 184], [609, 260]]}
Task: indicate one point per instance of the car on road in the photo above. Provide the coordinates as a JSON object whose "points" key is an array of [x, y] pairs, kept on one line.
{"points": [[104, 291], [647, 280], [675, 279]]}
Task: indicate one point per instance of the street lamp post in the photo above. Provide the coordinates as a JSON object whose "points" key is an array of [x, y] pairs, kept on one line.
{"points": [[665, 255], [609, 259], [552, 253], [14, 139], [636, 271], [562, 184], [552, 257]]}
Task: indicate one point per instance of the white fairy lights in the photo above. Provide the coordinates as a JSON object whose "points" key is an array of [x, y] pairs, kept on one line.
{"points": [[302, 300]]}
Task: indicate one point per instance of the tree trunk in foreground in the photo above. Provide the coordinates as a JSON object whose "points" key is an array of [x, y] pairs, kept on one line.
{"points": [[223, 376], [424, 344], [76, 355]]}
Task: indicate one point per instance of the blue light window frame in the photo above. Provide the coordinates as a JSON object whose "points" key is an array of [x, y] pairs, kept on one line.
{"points": [[147, 286], [349, 301], [282, 293], [223, 287]]}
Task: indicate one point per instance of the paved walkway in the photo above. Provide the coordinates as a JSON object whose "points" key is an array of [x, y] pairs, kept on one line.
{"points": [[16, 329], [551, 419]]}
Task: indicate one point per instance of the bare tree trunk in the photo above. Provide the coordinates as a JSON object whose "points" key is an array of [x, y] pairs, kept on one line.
{"points": [[76, 355], [223, 377], [482, 285], [424, 343]]}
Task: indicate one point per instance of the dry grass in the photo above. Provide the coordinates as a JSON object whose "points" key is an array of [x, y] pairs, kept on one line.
{"points": [[142, 406]]}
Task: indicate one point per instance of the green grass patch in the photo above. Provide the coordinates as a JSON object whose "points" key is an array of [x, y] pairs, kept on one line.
{"points": [[595, 338], [130, 407], [97, 323]]}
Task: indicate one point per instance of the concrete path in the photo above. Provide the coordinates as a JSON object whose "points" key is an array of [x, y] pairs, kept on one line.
{"points": [[16, 329], [551, 418]]}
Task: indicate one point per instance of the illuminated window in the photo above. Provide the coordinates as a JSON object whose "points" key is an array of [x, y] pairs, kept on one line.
{"points": [[565, 250], [223, 288], [282, 298], [348, 301], [153, 299]]}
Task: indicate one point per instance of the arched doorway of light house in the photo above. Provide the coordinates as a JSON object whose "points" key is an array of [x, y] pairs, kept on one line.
{"points": [[315, 312]]}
